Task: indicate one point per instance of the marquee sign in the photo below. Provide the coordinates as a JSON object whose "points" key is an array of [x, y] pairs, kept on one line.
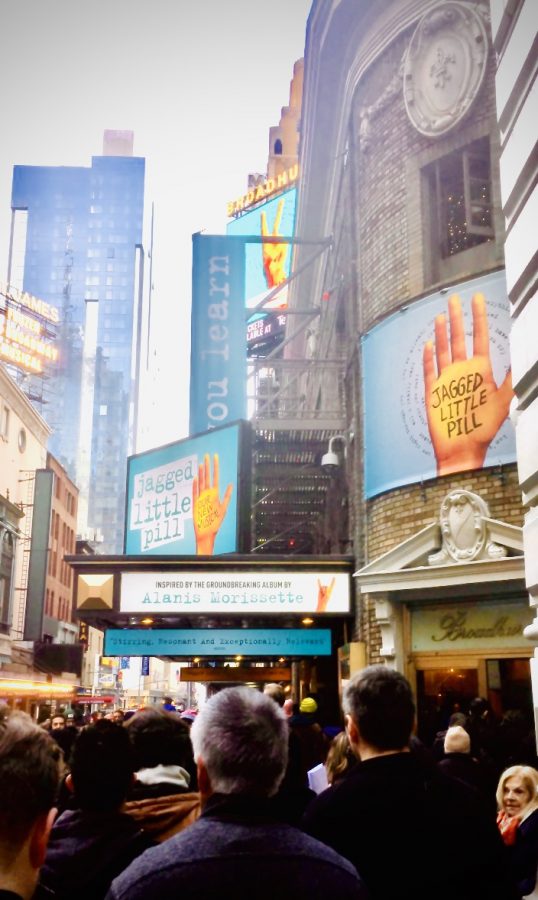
{"points": [[218, 642], [255, 591], [264, 190], [26, 338]]}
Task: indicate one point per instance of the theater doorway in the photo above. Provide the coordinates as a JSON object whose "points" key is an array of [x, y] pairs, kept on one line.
{"points": [[449, 685]]}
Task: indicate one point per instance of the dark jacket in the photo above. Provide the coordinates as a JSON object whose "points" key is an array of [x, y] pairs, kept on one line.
{"points": [[412, 833], [472, 772], [523, 855], [87, 850], [236, 849], [310, 744]]}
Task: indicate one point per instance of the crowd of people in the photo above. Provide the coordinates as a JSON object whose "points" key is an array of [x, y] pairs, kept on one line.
{"points": [[219, 804]]}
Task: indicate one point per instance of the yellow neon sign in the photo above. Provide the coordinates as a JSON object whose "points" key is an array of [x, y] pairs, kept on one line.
{"points": [[32, 304], [13, 354], [264, 190], [35, 687], [21, 336]]}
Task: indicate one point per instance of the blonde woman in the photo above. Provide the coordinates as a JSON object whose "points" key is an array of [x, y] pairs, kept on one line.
{"points": [[517, 799], [340, 758]]}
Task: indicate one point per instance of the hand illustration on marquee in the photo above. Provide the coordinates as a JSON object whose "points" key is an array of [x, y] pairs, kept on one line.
{"points": [[324, 595], [207, 510], [464, 406], [274, 255]]}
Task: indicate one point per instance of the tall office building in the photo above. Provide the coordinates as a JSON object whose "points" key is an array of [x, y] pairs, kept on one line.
{"points": [[76, 243]]}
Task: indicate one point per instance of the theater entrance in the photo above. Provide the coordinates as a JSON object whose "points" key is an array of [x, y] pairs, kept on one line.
{"points": [[445, 686]]}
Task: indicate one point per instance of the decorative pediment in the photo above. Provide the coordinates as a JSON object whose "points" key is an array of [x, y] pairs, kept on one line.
{"points": [[464, 554], [465, 545]]}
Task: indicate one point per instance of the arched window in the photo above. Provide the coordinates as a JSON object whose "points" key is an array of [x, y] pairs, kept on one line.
{"points": [[278, 147]]}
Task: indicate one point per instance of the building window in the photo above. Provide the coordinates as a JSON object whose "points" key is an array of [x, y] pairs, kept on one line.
{"points": [[4, 423], [6, 563], [460, 213], [278, 147]]}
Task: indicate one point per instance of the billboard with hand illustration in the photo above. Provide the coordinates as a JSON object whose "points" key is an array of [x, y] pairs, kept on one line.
{"points": [[185, 499], [437, 387]]}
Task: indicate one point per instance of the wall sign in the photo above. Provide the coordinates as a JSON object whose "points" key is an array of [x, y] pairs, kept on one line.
{"points": [[470, 627], [218, 642], [443, 403]]}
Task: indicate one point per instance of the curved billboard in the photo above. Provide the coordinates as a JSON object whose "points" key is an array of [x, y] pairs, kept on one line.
{"points": [[437, 386]]}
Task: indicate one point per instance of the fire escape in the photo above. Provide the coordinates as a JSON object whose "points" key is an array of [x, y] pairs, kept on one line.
{"points": [[295, 406]]}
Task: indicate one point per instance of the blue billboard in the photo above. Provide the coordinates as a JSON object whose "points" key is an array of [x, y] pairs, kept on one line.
{"points": [[186, 498], [218, 347], [437, 386], [218, 642]]}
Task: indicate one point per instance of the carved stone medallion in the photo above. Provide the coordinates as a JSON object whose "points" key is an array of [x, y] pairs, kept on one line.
{"points": [[464, 531], [444, 66]]}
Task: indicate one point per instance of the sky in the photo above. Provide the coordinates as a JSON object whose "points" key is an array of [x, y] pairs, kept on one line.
{"points": [[199, 82]]}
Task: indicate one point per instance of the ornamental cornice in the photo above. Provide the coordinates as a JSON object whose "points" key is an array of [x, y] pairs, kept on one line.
{"points": [[509, 568]]}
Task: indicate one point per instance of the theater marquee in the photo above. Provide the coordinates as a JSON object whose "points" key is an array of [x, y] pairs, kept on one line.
{"points": [[253, 591]]}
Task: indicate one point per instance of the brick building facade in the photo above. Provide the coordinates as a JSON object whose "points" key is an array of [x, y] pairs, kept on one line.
{"points": [[400, 165]]}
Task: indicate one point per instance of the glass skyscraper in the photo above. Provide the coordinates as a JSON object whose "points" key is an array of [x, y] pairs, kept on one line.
{"points": [[77, 234]]}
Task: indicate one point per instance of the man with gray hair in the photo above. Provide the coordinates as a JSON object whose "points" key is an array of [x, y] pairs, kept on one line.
{"points": [[240, 742], [29, 778]]}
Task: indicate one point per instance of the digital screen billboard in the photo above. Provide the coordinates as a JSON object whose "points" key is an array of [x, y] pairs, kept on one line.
{"points": [[437, 386], [236, 592], [267, 265], [187, 498]]}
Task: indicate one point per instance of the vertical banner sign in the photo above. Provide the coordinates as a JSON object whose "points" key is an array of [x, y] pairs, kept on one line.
{"points": [[39, 554], [144, 668], [83, 633], [218, 345]]}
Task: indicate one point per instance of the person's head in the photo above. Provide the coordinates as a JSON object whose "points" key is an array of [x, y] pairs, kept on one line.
{"points": [[457, 718], [380, 710], [240, 741], [478, 708], [308, 706], [118, 716], [58, 721], [159, 738], [517, 791], [457, 740], [188, 716], [339, 758], [287, 707], [102, 767], [65, 738], [276, 692], [167, 701], [29, 777]]}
